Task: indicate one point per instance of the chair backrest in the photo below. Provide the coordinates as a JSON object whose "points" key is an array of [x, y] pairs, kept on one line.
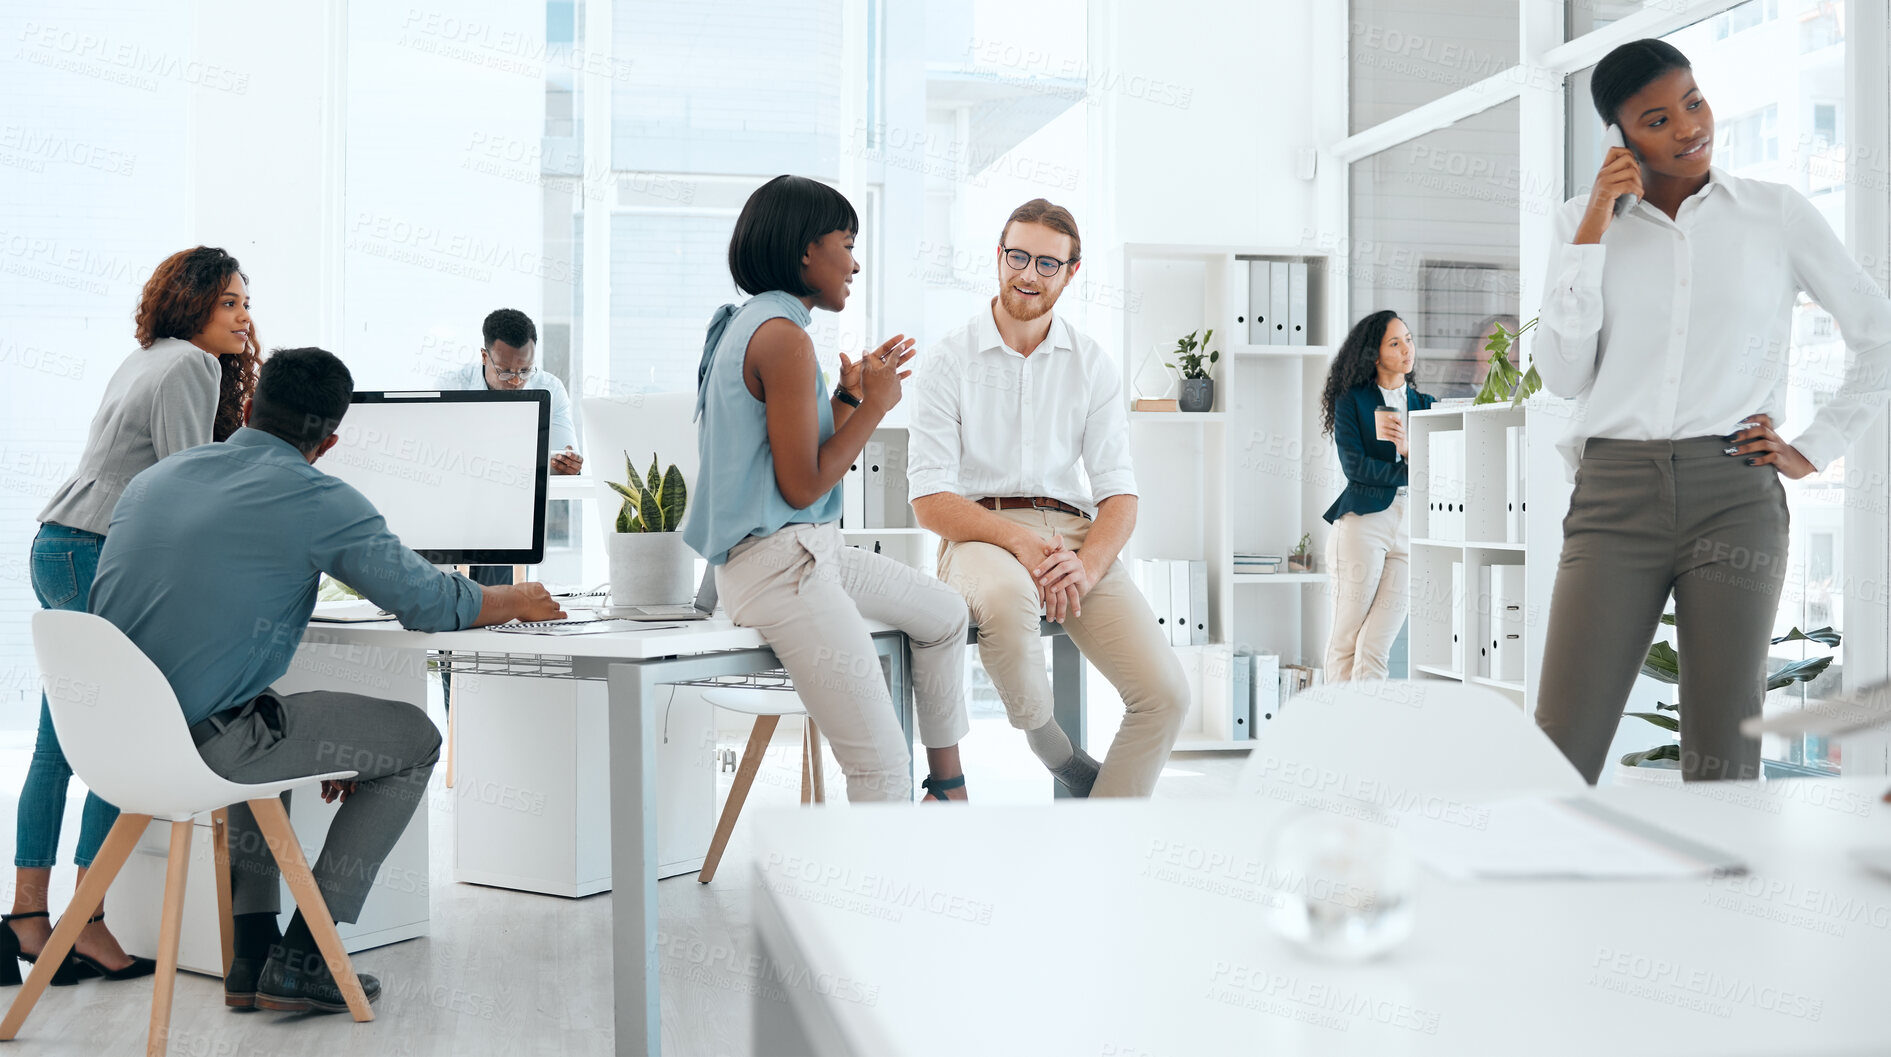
{"points": [[118, 720], [1401, 739], [641, 424]]}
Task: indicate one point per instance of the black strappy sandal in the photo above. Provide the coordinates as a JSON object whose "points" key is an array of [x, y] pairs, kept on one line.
{"points": [[937, 788], [88, 965], [11, 955]]}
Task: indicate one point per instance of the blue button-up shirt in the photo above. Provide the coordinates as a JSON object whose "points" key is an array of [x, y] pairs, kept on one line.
{"points": [[214, 555]]}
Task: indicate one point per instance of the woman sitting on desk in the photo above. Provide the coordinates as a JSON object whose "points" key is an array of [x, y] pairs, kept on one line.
{"points": [[1668, 318], [1369, 392], [774, 447], [195, 368]]}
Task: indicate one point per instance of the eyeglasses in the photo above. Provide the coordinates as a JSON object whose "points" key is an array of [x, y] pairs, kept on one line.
{"points": [[505, 375], [1046, 266]]}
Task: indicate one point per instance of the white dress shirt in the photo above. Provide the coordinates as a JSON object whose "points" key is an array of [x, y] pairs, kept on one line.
{"points": [[987, 421], [1670, 329], [564, 433]]}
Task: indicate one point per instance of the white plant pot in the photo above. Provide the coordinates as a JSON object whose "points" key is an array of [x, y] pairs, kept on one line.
{"points": [[651, 569]]}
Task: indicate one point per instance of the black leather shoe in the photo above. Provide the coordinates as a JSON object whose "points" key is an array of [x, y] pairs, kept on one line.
{"points": [[296, 982], [68, 973], [239, 988]]}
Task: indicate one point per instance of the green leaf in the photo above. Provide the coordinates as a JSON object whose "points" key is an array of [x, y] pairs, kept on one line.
{"points": [[626, 492], [673, 498], [630, 476], [1676, 707], [626, 522], [1662, 663], [1668, 619], [650, 513], [1798, 672], [1824, 636], [1659, 752], [1664, 722], [655, 482]]}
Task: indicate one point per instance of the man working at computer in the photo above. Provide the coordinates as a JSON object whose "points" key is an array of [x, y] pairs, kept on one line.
{"points": [[1007, 409], [508, 354], [211, 567]]}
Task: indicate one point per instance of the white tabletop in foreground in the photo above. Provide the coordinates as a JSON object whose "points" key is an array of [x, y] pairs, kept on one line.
{"points": [[1136, 929]]}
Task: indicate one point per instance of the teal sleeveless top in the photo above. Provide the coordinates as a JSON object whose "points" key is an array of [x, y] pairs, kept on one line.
{"points": [[736, 495]]}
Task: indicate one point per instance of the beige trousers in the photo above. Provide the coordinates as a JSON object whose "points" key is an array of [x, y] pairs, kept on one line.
{"points": [[1117, 632], [1370, 556], [810, 597]]}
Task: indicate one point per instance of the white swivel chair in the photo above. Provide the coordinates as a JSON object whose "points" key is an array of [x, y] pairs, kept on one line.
{"points": [[767, 705], [124, 734], [1426, 737]]}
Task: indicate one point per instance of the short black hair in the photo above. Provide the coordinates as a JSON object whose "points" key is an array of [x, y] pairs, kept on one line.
{"points": [[510, 326], [778, 223], [1629, 69], [301, 396]]}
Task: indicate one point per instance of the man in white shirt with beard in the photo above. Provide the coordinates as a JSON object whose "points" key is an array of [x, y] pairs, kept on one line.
{"points": [[1005, 411]]}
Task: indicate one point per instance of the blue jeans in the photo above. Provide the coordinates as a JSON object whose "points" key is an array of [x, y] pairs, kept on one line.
{"points": [[65, 562]]}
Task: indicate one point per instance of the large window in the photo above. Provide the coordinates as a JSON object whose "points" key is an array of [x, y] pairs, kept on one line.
{"points": [[1434, 238], [1405, 53]]}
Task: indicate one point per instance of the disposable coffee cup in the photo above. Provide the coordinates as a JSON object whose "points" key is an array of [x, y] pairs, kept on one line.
{"points": [[1382, 422]]}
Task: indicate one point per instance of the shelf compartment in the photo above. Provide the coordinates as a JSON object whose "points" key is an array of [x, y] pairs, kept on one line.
{"points": [[1282, 578]]}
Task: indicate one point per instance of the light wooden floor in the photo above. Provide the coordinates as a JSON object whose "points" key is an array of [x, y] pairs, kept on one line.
{"points": [[510, 974]]}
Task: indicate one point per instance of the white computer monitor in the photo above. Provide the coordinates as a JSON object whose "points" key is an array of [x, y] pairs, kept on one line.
{"points": [[459, 476]]}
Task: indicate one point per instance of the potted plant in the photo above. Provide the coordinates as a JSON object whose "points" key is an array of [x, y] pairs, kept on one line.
{"points": [[650, 563], [1301, 560], [1504, 381], [1663, 762], [1198, 389]]}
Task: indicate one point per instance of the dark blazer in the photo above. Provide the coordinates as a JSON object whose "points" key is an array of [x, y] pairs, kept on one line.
{"points": [[1374, 471]]}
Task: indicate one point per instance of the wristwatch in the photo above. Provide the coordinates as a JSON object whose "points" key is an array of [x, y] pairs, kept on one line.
{"points": [[841, 394]]}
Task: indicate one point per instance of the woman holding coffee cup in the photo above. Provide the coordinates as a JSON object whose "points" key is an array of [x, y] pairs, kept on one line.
{"points": [[1369, 393]]}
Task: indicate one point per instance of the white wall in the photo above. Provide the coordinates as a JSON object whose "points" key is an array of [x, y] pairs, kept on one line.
{"points": [[1208, 103]]}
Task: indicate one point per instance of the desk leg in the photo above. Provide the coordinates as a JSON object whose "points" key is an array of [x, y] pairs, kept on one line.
{"points": [[633, 859], [899, 683], [1067, 697]]}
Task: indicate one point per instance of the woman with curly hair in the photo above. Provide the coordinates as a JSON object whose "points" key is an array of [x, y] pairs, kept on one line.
{"points": [[1370, 550], [187, 387]]}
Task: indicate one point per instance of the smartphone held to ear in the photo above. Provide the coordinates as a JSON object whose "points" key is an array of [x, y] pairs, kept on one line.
{"points": [[1612, 137]]}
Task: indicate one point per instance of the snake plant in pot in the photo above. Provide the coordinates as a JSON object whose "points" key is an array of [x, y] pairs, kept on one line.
{"points": [[1664, 664], [650, 563]]}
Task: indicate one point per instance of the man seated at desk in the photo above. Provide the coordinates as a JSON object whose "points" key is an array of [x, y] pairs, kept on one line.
{"points": [[507, 354], [211, 567]]}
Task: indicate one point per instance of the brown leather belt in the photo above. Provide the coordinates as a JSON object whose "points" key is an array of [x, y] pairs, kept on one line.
{"points": [[1030, 502]]}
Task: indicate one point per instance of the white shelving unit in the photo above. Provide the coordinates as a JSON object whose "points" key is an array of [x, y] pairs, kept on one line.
{"points": [[1235, 478], [1437, 608]]}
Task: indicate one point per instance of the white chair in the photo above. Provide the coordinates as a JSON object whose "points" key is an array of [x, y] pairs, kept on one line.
{"points": [[767, 705], [124, 734], [1423, 737]]}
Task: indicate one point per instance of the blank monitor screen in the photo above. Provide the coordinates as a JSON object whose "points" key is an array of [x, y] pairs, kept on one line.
{"points": [[459, 476]]}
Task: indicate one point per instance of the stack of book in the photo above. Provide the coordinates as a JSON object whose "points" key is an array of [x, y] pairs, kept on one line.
{"points": [[1257, 563], [1297, 677]]}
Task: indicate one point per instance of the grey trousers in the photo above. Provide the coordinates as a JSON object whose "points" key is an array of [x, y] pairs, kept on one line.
{"points": [[1648, 518], [391, 744]]}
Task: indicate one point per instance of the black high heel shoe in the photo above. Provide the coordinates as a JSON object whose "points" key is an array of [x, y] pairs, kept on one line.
{"points": [[11, 955], [85, 965]]}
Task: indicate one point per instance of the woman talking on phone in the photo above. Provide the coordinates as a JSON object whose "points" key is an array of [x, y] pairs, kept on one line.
{"points": [[1667, 315], [1368, 396]]}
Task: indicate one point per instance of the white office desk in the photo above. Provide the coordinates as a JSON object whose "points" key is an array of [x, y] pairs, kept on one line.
{"points": [[1130, 928], [635, 663]]}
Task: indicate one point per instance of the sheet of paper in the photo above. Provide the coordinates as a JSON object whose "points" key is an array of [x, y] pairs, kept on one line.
{"points": [[1558, 838], [356, 612]]}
